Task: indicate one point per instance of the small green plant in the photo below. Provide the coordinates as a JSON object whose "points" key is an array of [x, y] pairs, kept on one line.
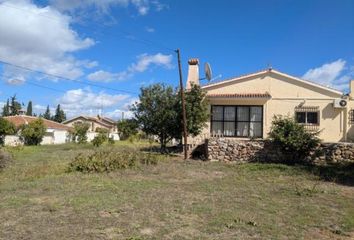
{"points": [[79, 133], [111, 140], [101, 137], [108, 160], [6, 128], [33, 133], [292, 138]]}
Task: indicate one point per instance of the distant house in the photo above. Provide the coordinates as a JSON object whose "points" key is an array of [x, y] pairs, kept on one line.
{"points": [[95, 124], [56, 133]]}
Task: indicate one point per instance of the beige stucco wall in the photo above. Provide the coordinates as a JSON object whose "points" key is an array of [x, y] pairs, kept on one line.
{"points": [[93, 125], [286, 94]]}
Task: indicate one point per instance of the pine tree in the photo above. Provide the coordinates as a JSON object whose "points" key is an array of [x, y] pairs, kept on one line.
{"points": [[47, 114], [6, 109], [29, 109], [59, 115], [15, 106]]}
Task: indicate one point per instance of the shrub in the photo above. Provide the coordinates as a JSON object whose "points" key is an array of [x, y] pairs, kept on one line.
{"points": [[111, 140], [5, 158], [6, 128], [108, 160], [127, 128], [33, 133], [101, 137], [79, 133], [292, 138]]}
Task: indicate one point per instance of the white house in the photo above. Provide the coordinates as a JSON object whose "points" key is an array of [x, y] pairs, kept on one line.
{"points": [[56, 133]]}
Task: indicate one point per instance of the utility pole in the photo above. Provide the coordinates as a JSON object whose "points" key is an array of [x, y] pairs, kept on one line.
{"points": [[183, 104]]}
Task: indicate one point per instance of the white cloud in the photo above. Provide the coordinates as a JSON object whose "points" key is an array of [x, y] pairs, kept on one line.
{"points": [[84, 101], [104, 6], [142, 64], [40, 38], [150, 29], [334, 74]]}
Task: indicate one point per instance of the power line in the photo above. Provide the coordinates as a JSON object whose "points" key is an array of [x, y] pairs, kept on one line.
{"points": [[67, 79]]}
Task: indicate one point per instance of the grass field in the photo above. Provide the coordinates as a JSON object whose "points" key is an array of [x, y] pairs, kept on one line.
{"points": [[175, 199]]}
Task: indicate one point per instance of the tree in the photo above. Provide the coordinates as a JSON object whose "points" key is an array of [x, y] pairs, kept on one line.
{"points": [[293, 139], [127, 128], [33, 133], [47, 114], [29, 109], [79, 133], [6, 109], [156, 112], [101, 137], [59, 115], [159, 112], [196, 110], [15, 106], [6, 128]]}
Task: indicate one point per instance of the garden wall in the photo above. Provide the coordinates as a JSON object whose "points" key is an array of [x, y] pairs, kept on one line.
{"points": [[235, 150]]}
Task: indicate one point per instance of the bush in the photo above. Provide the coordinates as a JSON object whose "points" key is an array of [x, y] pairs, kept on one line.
{"points": [[5, 159], [79, 133], [33, 133], [127, 128], [101, 137], [109, 160], [6, 128], [111, 140], [292, 138]]}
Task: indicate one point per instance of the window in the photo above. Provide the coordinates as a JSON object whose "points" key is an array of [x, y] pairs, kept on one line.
{"points": [[237, 121], [307, 117]]}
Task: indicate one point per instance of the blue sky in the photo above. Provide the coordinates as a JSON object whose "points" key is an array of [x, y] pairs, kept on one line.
{"points": [[126, 44]]}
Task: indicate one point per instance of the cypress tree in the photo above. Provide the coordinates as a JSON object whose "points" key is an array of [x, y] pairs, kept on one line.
{"points": [[47, 115], [29, 109]]}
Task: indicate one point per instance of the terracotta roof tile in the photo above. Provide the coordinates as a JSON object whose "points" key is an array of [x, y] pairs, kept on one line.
{"points": [[20, 120], [239, 95]]}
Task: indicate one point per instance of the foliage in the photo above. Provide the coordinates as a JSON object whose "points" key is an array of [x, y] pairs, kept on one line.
{"points": [[15, 106], [6, 109], [47, 115], [127, 128], [108, 160], [6, 128], [156, 112], [196, 110], [29, 111], [101, 137], [5, 158], [79, 133], [159, 112], [33, 133], [60, 115], [111, 140], [292, 137]]}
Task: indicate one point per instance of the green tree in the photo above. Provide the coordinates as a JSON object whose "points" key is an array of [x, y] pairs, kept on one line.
{"points": [[47, 114], [29, 109], [127, 128], [79, 133], [6, 128], [159, 112], [33, 133], [15, 106], [156, 112], [196, 110], [6, 109], [101, 137], [293, 139], [59, 115]]}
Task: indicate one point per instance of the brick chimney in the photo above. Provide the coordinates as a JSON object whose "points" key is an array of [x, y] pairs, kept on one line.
{"points": [[351, 88], [193, 73]]}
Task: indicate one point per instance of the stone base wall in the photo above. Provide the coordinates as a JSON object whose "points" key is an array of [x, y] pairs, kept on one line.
{"points": [[235, 150]]}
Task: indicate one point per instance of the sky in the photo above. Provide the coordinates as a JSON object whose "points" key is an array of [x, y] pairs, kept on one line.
{"points": [[93, 56]]}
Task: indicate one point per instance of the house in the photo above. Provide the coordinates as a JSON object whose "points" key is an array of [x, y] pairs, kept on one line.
{"points": [[56, 133], [95, 124], [244, 106]]}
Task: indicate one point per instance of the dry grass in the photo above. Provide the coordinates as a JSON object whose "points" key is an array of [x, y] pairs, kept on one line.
{"points": [[39, 199]]}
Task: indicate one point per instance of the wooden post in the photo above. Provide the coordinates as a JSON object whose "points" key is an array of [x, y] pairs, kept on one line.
{"points": [[184, 120]]}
